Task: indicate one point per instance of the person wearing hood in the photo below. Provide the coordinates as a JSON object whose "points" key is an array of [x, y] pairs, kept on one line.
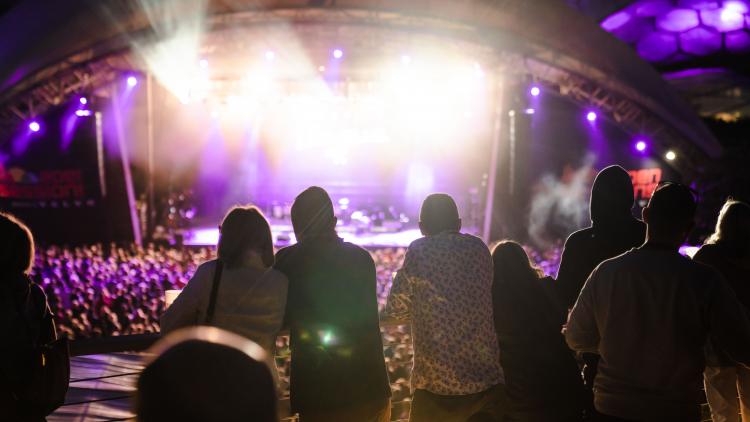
{"points": [[613, 231]]}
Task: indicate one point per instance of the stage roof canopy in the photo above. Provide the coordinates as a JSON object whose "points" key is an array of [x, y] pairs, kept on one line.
{"points": [[52, 50]]}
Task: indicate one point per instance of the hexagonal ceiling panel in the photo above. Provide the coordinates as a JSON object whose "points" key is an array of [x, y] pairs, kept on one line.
{"points": [[669, 31]]}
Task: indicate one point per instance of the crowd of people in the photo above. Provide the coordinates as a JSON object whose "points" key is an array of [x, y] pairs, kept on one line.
{"points": [[106, 290], [624, 332]]}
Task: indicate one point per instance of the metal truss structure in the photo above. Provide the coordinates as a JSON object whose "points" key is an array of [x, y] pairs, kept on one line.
{"points": [[93, 71]]}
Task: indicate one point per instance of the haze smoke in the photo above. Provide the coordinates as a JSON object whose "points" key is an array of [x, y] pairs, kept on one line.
{"points": [[560, 205]]}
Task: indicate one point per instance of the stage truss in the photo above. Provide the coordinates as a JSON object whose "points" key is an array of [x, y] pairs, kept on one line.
{"points": [[94, 70]]}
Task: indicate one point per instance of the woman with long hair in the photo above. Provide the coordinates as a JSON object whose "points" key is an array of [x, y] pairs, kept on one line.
{"points": [[728, 251], [249, 295], [25, 319], [542, 379]]}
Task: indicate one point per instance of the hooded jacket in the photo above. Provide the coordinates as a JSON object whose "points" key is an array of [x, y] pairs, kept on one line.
{"points": [[613, 231]]}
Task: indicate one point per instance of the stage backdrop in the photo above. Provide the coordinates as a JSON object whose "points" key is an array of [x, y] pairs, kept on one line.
{"points": [[61, 183]]}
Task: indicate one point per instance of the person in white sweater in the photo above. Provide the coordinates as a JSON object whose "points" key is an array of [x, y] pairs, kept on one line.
{"points": [[250, 296]]}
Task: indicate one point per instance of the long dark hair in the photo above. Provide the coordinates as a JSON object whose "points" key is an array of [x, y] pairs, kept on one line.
{"points": [[733, 228], [512, 264], [243, 229], [16, 246]]}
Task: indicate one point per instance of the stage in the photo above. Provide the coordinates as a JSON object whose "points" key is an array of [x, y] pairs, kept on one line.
{"points": [[283, 235]]}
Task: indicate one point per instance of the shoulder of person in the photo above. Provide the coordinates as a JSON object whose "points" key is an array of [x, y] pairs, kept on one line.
{"points": [[579, 236], [358, 252], [38, 298], [205, 272], [275, 276], [703, 271], [615, 264], [208, 266], [706, 252], [475, 240], [282, 255]]}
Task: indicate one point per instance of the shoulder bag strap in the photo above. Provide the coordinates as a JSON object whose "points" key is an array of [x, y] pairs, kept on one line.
{"points": [[214, 292]]}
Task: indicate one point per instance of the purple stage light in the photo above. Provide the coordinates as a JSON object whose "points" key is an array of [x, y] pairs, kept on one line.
{"points": [[591, 116], [83, 113], [670, 155], [34, 126], [529, 111], [535, 91], [132, 81], [640, 146], [83, 100], [338, 53]]}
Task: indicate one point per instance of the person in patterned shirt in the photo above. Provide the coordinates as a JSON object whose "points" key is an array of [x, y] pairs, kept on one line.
{"points": [[445, 290]]}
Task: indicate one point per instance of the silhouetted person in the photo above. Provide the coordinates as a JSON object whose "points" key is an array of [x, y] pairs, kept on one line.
{"points": [[541, 374], [206, 374], [338, 369], [251, 295], [649, 313], [445, 290], [613, 231], [728, 251], [25, 319]]}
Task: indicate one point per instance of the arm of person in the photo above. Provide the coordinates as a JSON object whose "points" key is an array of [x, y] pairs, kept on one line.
{"points": [[47, 331], [281, 289], [581, 331], [282, 257], [398, 306], [569, 276], [186, 308], [728, 322]]}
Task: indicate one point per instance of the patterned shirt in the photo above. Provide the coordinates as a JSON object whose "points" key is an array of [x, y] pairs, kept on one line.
{"points": [[445, 289]]}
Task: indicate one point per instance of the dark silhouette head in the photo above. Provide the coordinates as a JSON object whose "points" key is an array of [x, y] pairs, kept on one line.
{"points": [[733, 228], [244, 230], [312, 213], [16, 246], [611, 195], [202, 374], [512, 264], [439, 213], [670, 214]]}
